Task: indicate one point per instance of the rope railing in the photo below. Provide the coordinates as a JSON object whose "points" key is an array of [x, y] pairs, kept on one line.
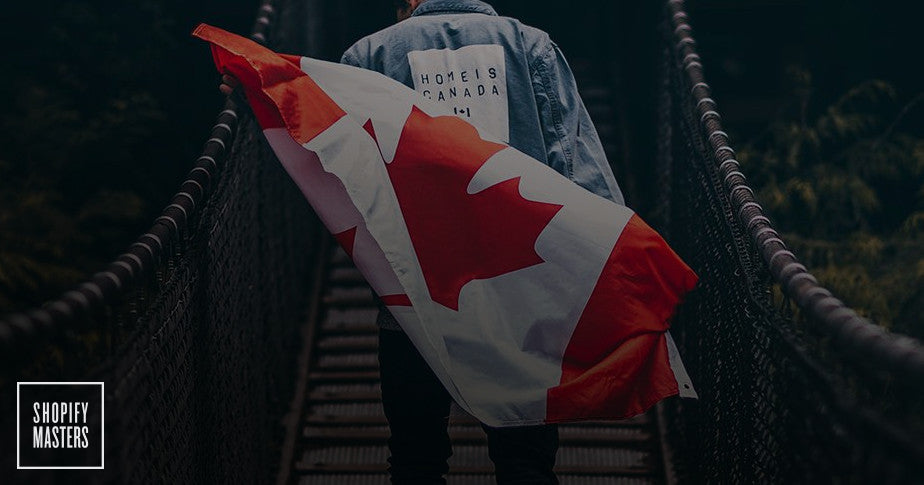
{"points": [[807, 393], [195, 329], [20, 333], [199, 314], [894, 353]]}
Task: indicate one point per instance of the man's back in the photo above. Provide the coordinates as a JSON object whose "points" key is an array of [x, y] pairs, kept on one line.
{"points": [[508, 79], [512, 83]]}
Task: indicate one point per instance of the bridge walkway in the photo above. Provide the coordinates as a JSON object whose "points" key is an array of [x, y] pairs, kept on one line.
{"points": [[344, 431]]}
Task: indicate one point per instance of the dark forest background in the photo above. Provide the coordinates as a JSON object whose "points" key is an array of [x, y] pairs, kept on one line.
{"points": [[104, 106], [825, 104]]}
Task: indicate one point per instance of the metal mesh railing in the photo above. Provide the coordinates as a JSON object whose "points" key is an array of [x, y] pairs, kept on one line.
{"points": [[194, 330], [794, 387]]}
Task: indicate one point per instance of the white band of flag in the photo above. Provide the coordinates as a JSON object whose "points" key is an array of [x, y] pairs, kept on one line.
{"points": [[532, 299]]}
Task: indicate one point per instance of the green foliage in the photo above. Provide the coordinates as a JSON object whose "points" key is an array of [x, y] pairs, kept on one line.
{"points": [[105, 106], [845, 183], [46, 246], [78, 140]]}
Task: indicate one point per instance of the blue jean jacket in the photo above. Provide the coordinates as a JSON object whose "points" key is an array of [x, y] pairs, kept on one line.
{"points": [[461, 53]]}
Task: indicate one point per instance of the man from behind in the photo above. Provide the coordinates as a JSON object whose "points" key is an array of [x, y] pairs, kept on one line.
{"points": [[512, 83]]}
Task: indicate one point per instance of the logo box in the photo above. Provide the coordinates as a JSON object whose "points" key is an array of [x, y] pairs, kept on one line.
{"points": [[59, 425]]}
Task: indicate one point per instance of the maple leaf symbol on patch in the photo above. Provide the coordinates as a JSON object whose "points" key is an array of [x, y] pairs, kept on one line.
{"points": [[459, 237]]}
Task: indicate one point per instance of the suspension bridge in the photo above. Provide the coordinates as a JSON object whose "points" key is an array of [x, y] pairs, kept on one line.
{"points": [[238, 345]]}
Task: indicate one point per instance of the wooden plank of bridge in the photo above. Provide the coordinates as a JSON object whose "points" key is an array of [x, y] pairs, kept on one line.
{"points": [[344, 432]]}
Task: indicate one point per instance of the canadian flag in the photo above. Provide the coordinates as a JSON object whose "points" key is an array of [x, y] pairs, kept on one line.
{"points": [[532, 299]]}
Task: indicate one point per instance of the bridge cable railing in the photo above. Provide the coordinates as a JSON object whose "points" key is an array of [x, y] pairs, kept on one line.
{"points": [[195, 329], [794, 385]]}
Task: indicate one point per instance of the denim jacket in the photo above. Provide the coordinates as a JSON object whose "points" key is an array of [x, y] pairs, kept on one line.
{"points": [[461, 53], [546, 118]]}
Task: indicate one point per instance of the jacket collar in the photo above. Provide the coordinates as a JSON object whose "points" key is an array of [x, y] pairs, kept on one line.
{"points": [[432, 7]]}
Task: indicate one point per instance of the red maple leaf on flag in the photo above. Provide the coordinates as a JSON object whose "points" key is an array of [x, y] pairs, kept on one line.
{"points": [[347, 239], [459, 237]]}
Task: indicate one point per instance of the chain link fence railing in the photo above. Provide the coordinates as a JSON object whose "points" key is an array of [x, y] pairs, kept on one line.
{"points": [[194, 330], [794, 386]]}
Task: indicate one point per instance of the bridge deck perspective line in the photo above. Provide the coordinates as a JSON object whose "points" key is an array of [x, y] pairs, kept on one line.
{"points": [[343, 433]]}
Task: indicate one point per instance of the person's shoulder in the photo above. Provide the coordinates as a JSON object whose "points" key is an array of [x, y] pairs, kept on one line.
{"points": [[394, 35], [530, 31], [383, 36], [358, 51], [361, 50], [536, 42]]}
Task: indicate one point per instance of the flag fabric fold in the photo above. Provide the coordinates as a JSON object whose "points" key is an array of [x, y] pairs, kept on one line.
{"points": [[532, 299]]}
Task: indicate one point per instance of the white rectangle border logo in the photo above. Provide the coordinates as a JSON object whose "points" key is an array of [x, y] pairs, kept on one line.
{"points": [[102, 396]]}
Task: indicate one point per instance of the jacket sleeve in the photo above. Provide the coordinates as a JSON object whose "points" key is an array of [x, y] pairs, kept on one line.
{"points": [[349, 57], [572, 145]]}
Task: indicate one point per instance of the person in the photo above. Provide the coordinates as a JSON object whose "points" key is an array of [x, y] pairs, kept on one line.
{"points": [[513, 83]]}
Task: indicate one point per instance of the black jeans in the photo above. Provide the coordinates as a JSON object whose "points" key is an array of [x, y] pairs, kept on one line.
{"points": [[417, 408]]}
